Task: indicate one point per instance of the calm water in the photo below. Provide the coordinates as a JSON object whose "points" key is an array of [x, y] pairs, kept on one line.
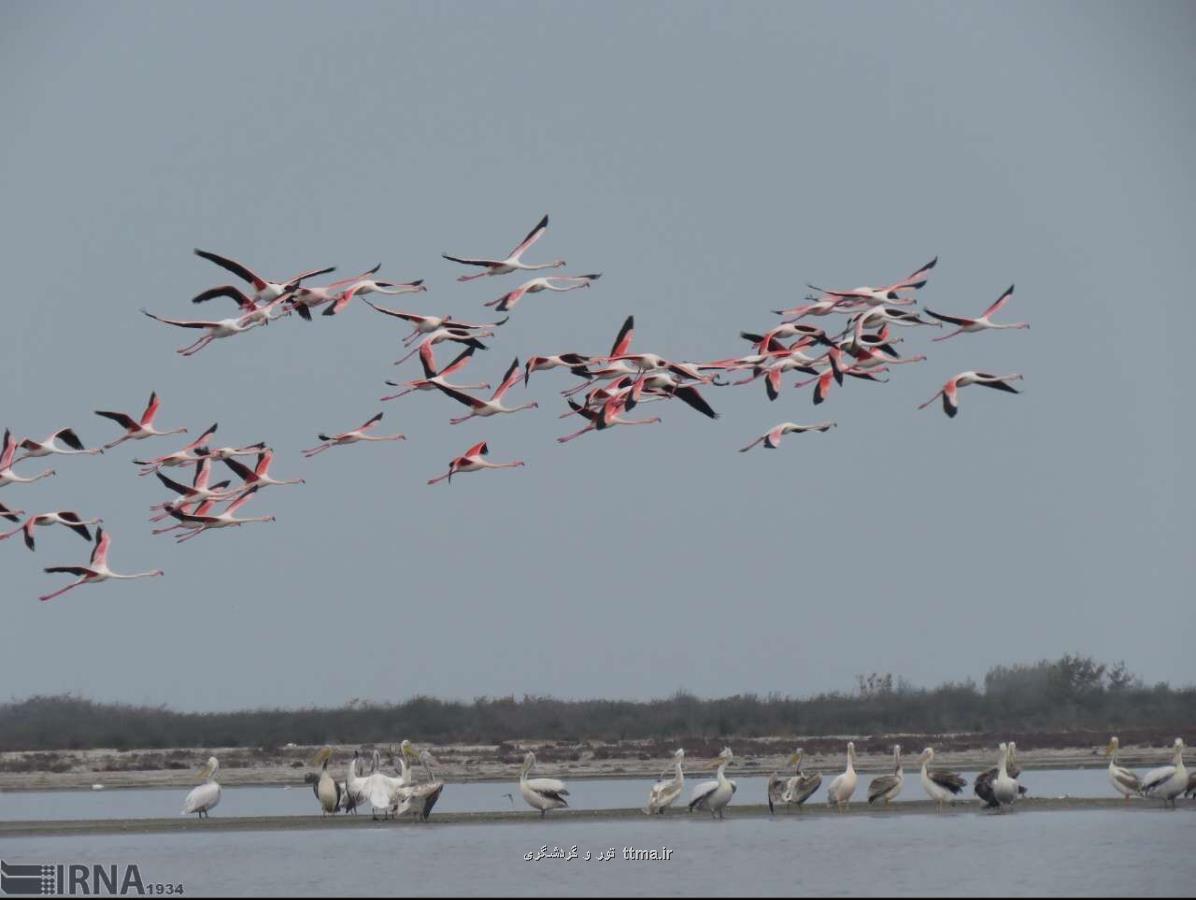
{"points": [[474, 797], [1140, 851]]}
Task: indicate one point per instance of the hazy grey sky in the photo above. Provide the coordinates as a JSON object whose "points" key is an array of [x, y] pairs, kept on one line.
{"points": [[709, 160]]}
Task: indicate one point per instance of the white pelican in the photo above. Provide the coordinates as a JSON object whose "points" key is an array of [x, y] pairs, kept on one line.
{"points": [[327, 791], [204, 797], [843, 786], [1167, 782], [983, 787], [355, 787], [941, 786], [713, 796], [1124, 781], [1004, 788], [887, 787], [416, 799], [541, 793], [797, 788], [666, 791]]}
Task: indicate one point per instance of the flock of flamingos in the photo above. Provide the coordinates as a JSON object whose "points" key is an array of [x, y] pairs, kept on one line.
{"points": [[861, 347]]}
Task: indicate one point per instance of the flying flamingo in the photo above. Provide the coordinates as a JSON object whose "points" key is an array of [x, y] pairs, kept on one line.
{"points": [[259, 475], [63, 517], [428, 324], [183, 457], [464, 336], [888, 293], [621, 346], [197, 523], [574, 362], [265, 291], [772, 438], [252, 312], [216, 454], [7, 475], [472, 460], [983, 323], [35, 449], [195, 495], [13, 515], [544, 283], [304, 299], [512, 263], [432, 377], [608, 417], [816, 307], [369, 286], [493, 406], [835, 373], [663, 384], [138, 430], [96, 570], [352, 437], [218, 328], [950, 391]]}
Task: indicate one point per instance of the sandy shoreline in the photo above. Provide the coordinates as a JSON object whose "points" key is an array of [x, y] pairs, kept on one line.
{"points": [[68, 769]]}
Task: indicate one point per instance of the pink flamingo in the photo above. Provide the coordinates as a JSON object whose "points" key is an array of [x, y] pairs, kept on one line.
{"points": [[888, 293], [950, 391], [13, 515], [197, 523], [195, 495], [772, 438], [982, 323], [512, 263], [544, 283], [432, 377], [304, 299], [96, 570], [608, 416], [259, 475], [7, 475], [369, 286], [352, 437], [472, 460], [265, 291], [35, 449], [63, 517], [493, 406], [183, 457]]}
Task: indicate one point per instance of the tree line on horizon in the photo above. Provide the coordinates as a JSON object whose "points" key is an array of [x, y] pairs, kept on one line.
{"points": [[1072, 693]]}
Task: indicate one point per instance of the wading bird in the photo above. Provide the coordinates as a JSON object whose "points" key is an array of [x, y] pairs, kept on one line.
{"points": [[1167, 782], [1124, 781], [198, 522], [842, 786], [217, 328], [433, 377], [96, 570], [370, 286], [352, 437], [264, 291], [666, 791], [541, 793], [886, 787], [7, 475], [713, 796], [203, 798], [183, 457], [259, 475], [493, 406], [940, 786], [795, 789], [887, 293], [512, 263]]}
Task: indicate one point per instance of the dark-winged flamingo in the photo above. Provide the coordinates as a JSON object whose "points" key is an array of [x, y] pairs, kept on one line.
{"points": [[264, 290], [432, 376], [429, 324], [96, 570], [610, 415], [982, 323], [74, 447], [62, 517], [304, 299], [259, 475], [472, 460], [772, 438], [369, 286], [7, 455], [196, 524], [352, 437], [218, 328], [198, 493], [574, 362], [182, 457], [544, 283], [13, 515], [889, 292], [950, 391], [512, 263], [493, 406], [467, 337]]}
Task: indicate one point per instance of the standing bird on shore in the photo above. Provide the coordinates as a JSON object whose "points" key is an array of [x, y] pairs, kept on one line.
{"points": [[541, 793], [1167, 782], [512, 263], [327, 791], [138, 429], [666, 791], [74, 447], [96, 570], [205, 796], [841, 788], [713, 796], [887, 787], [1123, 780], [940, 786], [983, 786], [1004, 788], [417, 798], [797, 788]]}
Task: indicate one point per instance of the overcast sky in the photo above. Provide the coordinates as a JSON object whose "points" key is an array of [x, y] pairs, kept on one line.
{"points": [[708, 160]]}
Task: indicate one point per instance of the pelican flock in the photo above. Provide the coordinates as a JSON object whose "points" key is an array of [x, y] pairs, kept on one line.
{"points": [[608, 389]]}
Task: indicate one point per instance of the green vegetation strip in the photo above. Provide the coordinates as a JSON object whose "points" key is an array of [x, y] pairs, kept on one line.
{"points": [[304, 823]]}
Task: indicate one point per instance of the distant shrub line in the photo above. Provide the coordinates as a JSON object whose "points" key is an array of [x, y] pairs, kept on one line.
{"points": [[1073, 693]]}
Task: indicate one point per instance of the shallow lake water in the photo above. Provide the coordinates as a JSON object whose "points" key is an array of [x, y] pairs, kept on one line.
{"points": [[1141, 851], [482, 796]]}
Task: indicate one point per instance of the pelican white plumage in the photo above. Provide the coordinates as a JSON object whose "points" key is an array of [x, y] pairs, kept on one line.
{"points": [[1004, 788], [886, 788], [204, 797], [541, 793], [1167, 782], [842, 786], [797, 788], [1123, 780], [355, 785], [666, 791], [414, 798], [713, 796], [940, 786], [327, 791]]}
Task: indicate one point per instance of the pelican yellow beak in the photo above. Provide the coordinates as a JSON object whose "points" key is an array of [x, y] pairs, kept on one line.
{"points": [[203, 773], [322, 756], [794, 759]]}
